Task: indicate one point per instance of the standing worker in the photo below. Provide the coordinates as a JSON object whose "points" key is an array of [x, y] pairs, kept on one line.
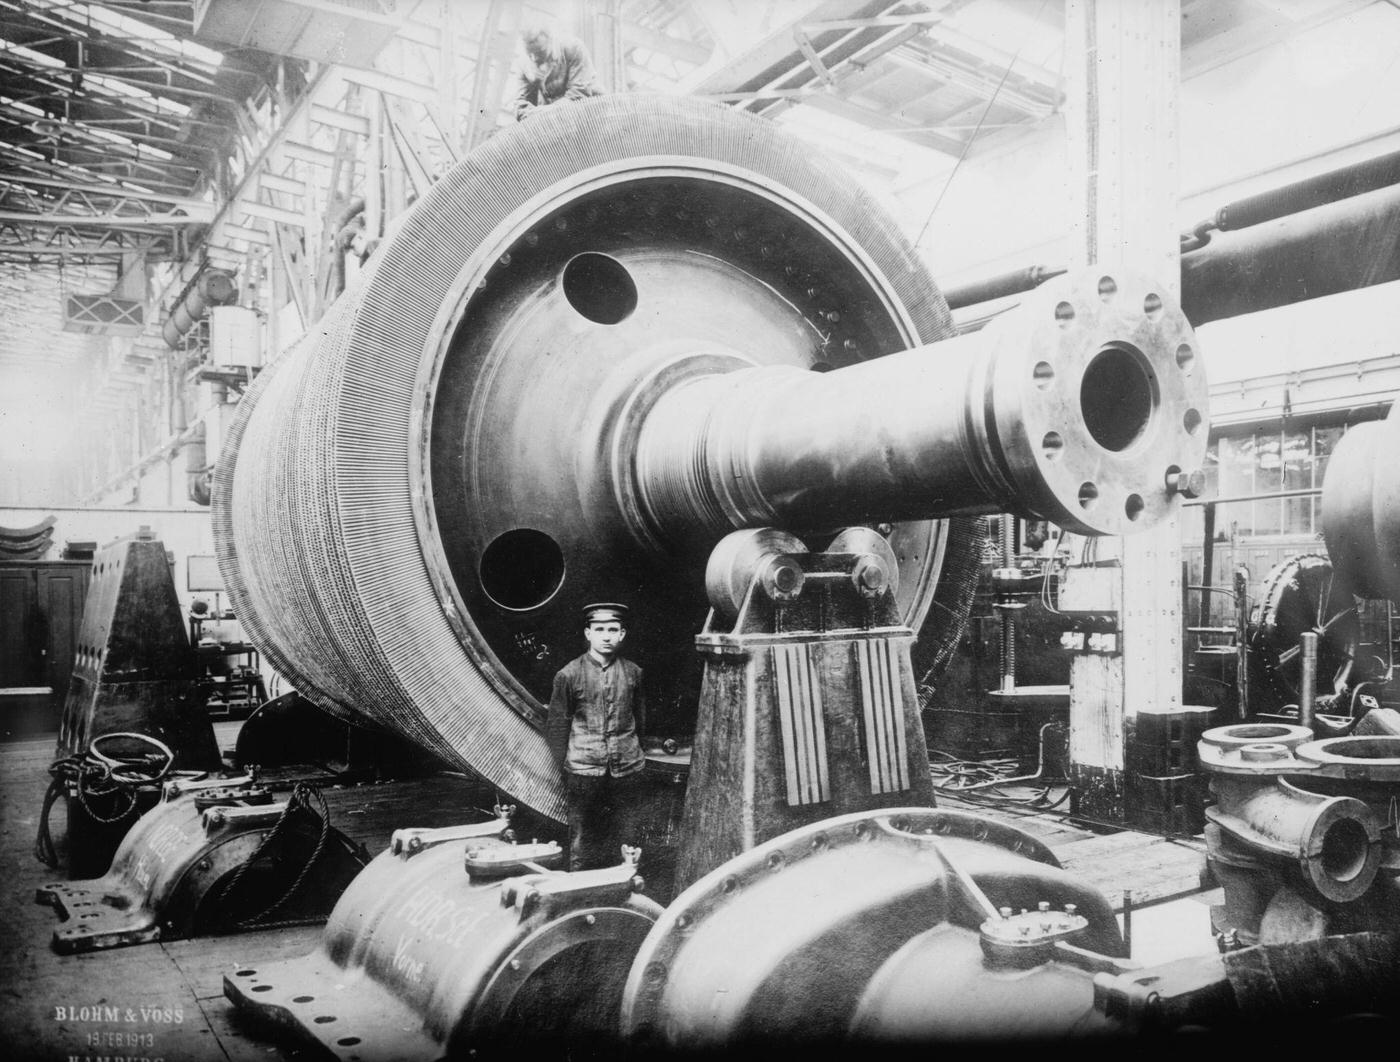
{"points": [[596, 714], [552, 70]]}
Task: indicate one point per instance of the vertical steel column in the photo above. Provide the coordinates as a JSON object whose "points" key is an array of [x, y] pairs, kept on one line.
{"points": [[1123, 80], [1008, 616]]}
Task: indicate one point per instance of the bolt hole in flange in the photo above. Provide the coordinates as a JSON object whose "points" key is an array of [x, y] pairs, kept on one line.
{"points": [[1052, 445], [522, 569], [1088, 495], [1134, 506], [599, 287], [1117, 397]]}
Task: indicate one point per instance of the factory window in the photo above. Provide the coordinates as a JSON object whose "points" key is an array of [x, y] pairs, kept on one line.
{"points": [[1265, 462]]}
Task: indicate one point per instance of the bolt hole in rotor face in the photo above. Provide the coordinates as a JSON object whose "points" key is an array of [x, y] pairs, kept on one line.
{"points": [[522, 569], [1117, 397], [599, 287], [534, 375]]}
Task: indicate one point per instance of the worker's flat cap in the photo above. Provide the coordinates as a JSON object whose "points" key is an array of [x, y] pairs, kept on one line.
{"points": [[605, 612]]}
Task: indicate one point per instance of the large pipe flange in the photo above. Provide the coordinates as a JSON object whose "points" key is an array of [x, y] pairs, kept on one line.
{"points": [[1334, 841], [1371, 758], [1097, 402], [1253, 748]]}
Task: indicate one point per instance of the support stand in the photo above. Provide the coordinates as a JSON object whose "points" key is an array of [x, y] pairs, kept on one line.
{"points": [[808, 706]]}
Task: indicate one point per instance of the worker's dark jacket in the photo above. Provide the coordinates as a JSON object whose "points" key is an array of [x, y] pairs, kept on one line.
{"points": [[570, 77], [596, 715]]}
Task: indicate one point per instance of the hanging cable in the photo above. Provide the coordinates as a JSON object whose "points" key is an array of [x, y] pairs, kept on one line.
{"points": [[300, 802], [96, 778], [1035, 22]]}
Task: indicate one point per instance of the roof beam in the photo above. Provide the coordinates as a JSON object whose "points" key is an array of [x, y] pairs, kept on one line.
{"points": [[392, 85], [113, 192], [985, 86], [848, 109], [110, 221], [635, 36]]}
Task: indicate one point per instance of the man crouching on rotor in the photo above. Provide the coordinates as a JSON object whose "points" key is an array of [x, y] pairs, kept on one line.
{"points": [[596, 715]]}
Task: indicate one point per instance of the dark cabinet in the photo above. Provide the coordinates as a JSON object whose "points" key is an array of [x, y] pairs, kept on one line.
{"points": [[41, 609]]}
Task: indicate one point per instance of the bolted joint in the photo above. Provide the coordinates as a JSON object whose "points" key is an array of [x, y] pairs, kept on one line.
{"points": [[782, 578], [1189, 484], [870, 576]]}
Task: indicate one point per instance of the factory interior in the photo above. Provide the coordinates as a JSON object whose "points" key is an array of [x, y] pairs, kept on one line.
{"points": [[837, 523]]}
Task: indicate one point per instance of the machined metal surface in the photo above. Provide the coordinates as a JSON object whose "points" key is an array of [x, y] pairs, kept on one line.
{"points": [[1361, 508], [808, 708], [1300, 833], [422, 959], [414, 503], [607, 338], [173, 874], [790, 941]]}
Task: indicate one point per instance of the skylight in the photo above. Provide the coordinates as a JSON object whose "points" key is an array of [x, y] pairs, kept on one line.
{"points": [[113, 22], [30, 54], [135, 92], [20, 105]]}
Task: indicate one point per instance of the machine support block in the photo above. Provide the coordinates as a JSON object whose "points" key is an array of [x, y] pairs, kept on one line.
{"points": [[425, 957], [177, 871], [808, 706]]}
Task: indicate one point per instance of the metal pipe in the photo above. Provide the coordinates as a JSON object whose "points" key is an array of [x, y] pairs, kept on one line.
{"points": [[1076, 409], [1300, 492], [163, 450], [1207, 562], [1307, 680], [999, 286], [1128, 920], [1240, 582], [214, 287], [1332, 248], [1018, 779], [1008, 617], [1332, 840], [1378, 172]]}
